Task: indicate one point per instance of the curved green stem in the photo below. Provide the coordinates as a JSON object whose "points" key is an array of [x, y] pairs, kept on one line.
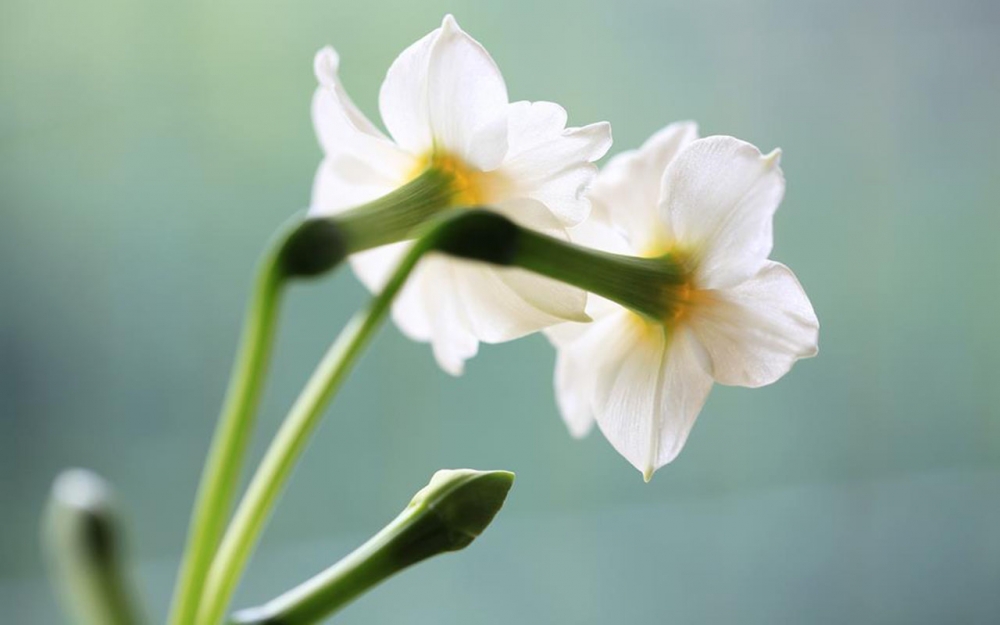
{"points": [[307, 247], [288, 444], [218, 482], [446, 515]]}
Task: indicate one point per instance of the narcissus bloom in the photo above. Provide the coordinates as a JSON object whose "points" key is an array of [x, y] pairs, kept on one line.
{"points": [[730, 315], [446, 108]]}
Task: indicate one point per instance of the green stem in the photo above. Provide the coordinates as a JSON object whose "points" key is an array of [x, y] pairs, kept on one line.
{"points": [[288, 444], [308, 247], [392, 218], [447, 515], [229, 443], [648, 286]]}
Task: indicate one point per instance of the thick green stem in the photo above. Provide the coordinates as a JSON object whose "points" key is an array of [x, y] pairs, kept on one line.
{"points": [[648, 286], [287, 446], [392, 218]]}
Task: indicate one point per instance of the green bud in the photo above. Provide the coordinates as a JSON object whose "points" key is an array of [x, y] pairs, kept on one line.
{"points": [[446, 515], [83, 540]]}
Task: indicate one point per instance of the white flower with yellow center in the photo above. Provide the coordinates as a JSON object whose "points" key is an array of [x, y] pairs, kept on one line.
{"points": [[445, 106], [730, 315]]}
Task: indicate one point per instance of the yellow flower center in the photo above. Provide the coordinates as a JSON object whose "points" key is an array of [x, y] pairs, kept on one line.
{"points": [[471, 186]]}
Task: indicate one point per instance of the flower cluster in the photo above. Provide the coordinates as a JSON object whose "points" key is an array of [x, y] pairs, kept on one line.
{"points": [[700, 210]]}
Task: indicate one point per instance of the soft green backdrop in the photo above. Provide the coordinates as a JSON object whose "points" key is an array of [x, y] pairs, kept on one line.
{"points": [[148, 149]]}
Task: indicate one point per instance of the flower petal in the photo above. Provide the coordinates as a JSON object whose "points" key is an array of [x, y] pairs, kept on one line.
{"points": [[409, 311], [402, 99], [466, 99], [627, 191], [652, 403], [505, 304], [344, 182], [755, 332], [585, 352], [550, 163], [344, 132], [374, 267], [452, 339], [326, 67], [719, 197]]}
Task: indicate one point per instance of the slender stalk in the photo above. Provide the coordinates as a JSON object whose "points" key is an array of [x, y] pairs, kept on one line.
{"points": [[288, 444], [229, 443], [447, 515], [306, 248]]}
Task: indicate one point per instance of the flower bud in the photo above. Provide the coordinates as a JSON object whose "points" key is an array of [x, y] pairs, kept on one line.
{"points": [[83, 540], [446, 515]]}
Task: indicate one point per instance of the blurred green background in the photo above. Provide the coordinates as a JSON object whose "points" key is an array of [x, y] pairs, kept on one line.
{"points": [[148, 149]]}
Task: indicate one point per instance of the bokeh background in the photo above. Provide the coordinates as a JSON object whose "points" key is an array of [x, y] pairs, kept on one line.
{"points": [[147, 150]]}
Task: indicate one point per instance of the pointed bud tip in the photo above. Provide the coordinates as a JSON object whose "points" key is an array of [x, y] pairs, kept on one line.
{"points": [[82, 490], [82, 517], [464, 501]]}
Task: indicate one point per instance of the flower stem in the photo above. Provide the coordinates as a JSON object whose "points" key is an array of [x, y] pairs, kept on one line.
{"points": [[288, 444], [393, 217], [647, 286], [307, 247], [218, 482], [447, 515]]}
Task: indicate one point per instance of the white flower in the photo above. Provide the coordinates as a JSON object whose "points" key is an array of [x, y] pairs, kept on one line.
{"points": [[445, 105], [735, 317]]}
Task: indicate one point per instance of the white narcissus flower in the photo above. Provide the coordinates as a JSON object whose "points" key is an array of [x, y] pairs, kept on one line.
{"points": [[445, 106], [734, 317]]}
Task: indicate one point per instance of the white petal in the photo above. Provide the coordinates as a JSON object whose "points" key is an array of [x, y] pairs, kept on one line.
{"points": [[627, 191], [505, 304], [531, 213], [654, 399], [719, 198], [565, 193], [452, 338], [551, 163], [466, 99], [409, 311], [344, 132], [402, 100], [562, 334], [374, 267], [755, 332], [344, 182], [589, 351], [326, 67], [560, 301], [539, 138], [600, 235]]}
